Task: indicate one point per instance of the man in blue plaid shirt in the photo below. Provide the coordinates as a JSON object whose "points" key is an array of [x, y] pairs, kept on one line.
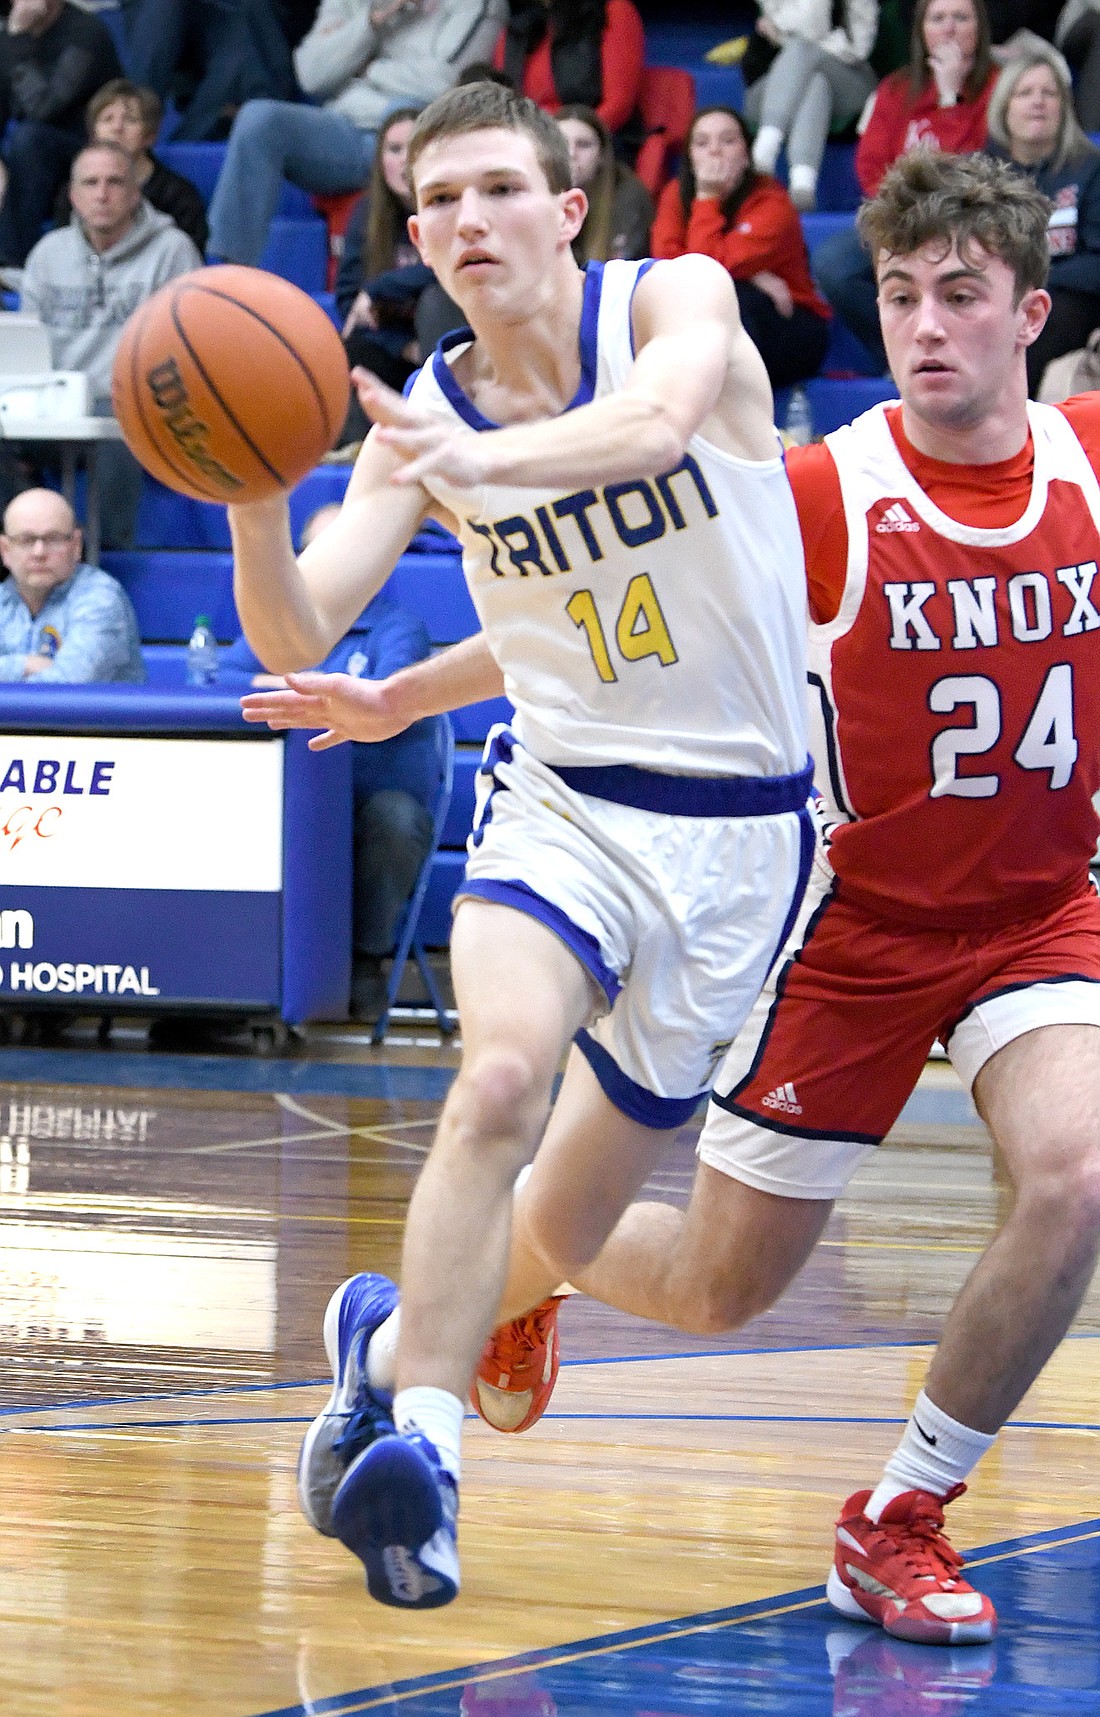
{"points": [[60, 619]]}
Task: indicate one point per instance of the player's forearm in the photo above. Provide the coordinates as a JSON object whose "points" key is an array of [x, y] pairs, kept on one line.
{"points": [[278, 615], [622, 436], [464, 674]]}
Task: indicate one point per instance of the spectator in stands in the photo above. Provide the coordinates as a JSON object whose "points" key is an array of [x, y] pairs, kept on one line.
{"points": [[84, 280], [60, 619], [381, 276], [561, 52], [1032, 122], [362, 59], [724, 208], [1078, 35], [394, 783], [130, 115], [818, 81], [210, 57], [53, 58], [620, 209], [939, 103]]}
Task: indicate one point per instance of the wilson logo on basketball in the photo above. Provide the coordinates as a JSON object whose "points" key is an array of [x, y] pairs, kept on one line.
{"points": [[188, 431]]}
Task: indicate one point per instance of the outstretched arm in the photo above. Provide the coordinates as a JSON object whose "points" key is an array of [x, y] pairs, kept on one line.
{"points": [[688, 340], [294, 611], [370, 710]]}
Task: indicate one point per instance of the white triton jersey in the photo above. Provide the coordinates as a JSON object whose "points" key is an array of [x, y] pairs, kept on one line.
{"points": [[659, 622]]}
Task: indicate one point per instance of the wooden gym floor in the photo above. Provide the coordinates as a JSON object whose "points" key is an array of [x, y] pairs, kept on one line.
{"points": [[170, 1229]]}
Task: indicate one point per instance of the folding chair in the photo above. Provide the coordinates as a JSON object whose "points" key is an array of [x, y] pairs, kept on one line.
{"points": [[408, 940]]}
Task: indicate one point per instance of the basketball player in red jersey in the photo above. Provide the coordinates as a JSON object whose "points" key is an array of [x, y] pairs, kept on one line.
{"points": [[952, 545]]}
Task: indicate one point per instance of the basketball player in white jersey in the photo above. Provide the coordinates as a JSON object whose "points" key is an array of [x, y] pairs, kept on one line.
{"points": [[952, 544], [603, 446]]}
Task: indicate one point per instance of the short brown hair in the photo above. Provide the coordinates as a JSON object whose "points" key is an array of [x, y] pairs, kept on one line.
{"points": [[485, 106], [147, 102], [968, 201]]}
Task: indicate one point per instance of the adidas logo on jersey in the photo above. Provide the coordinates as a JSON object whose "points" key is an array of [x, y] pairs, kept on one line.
{"points": [[785, 1098], [895, 518]]}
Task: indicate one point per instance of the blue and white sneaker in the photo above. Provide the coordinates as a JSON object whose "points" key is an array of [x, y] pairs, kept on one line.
{"points": [[354, 1414], [397, 1509]]}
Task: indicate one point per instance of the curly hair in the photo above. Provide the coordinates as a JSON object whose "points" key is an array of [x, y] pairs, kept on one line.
{"points": [[972, 202]]}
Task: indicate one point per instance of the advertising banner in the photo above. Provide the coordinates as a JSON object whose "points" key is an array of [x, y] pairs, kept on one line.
{"points": [[143, 871]]}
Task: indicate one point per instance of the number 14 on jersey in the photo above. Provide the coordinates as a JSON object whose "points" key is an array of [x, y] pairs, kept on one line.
{"points": [[640, 629]]}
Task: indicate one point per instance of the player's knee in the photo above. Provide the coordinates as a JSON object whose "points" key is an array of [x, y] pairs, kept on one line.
{"points": [[500, 1094], [719, 1302], [1066, 1198]]}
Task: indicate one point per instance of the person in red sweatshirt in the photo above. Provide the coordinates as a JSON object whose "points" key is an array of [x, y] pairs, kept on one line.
{"points": [[559, 52], [722, 207], [939, 102]]}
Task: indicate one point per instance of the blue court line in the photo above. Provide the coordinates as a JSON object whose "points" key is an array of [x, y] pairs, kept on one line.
{"points": [[173, 1395], [707, 1621], [799, 1347], [130, 1071], [612, 1359], [555, 1418]]}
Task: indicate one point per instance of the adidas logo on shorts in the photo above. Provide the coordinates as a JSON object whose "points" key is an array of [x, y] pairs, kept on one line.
{"points": [[895, 518], [784, 1097]]}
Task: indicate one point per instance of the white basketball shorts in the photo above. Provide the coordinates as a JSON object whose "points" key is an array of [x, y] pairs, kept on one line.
{"points": [[676, 917]]}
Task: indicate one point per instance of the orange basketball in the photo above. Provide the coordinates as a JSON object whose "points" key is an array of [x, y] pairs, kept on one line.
{"points": [[230, 383]]}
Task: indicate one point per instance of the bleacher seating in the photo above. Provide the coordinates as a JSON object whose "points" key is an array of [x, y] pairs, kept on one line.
{"points": [[202, 162], [298, 250], [836, 400]]}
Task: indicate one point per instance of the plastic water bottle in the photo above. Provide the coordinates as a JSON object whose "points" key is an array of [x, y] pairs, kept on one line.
{"points": [[202, 654], [800, 419]]}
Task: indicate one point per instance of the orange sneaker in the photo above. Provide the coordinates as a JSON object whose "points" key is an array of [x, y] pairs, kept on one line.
{"points": [[903, 1574], [518, 1369]]}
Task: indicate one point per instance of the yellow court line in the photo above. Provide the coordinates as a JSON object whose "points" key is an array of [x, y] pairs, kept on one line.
{"points": [[660, 1635], [1029, 1549], [463, 1678], [896, 1246]]}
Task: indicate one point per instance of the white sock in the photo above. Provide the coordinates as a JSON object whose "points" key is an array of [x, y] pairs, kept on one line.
{"points": [[935, 1453], [802, 185], [439, 1415], [382, 1353], [765, 149]]}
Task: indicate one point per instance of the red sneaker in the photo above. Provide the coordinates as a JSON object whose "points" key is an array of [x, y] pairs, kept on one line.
{"points": [[518, 1369], [903, 1574]]}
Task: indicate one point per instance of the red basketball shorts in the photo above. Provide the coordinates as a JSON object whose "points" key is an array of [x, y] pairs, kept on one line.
{"points": [[823, 1066]]}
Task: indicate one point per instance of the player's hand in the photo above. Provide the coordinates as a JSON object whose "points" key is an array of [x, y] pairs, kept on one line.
{"points": [[425, 441], [949, 66], [342, 707], [34, 665]]}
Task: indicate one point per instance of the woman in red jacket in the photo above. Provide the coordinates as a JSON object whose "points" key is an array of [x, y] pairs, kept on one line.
{"points": [[939, 102], [724, 208]]}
